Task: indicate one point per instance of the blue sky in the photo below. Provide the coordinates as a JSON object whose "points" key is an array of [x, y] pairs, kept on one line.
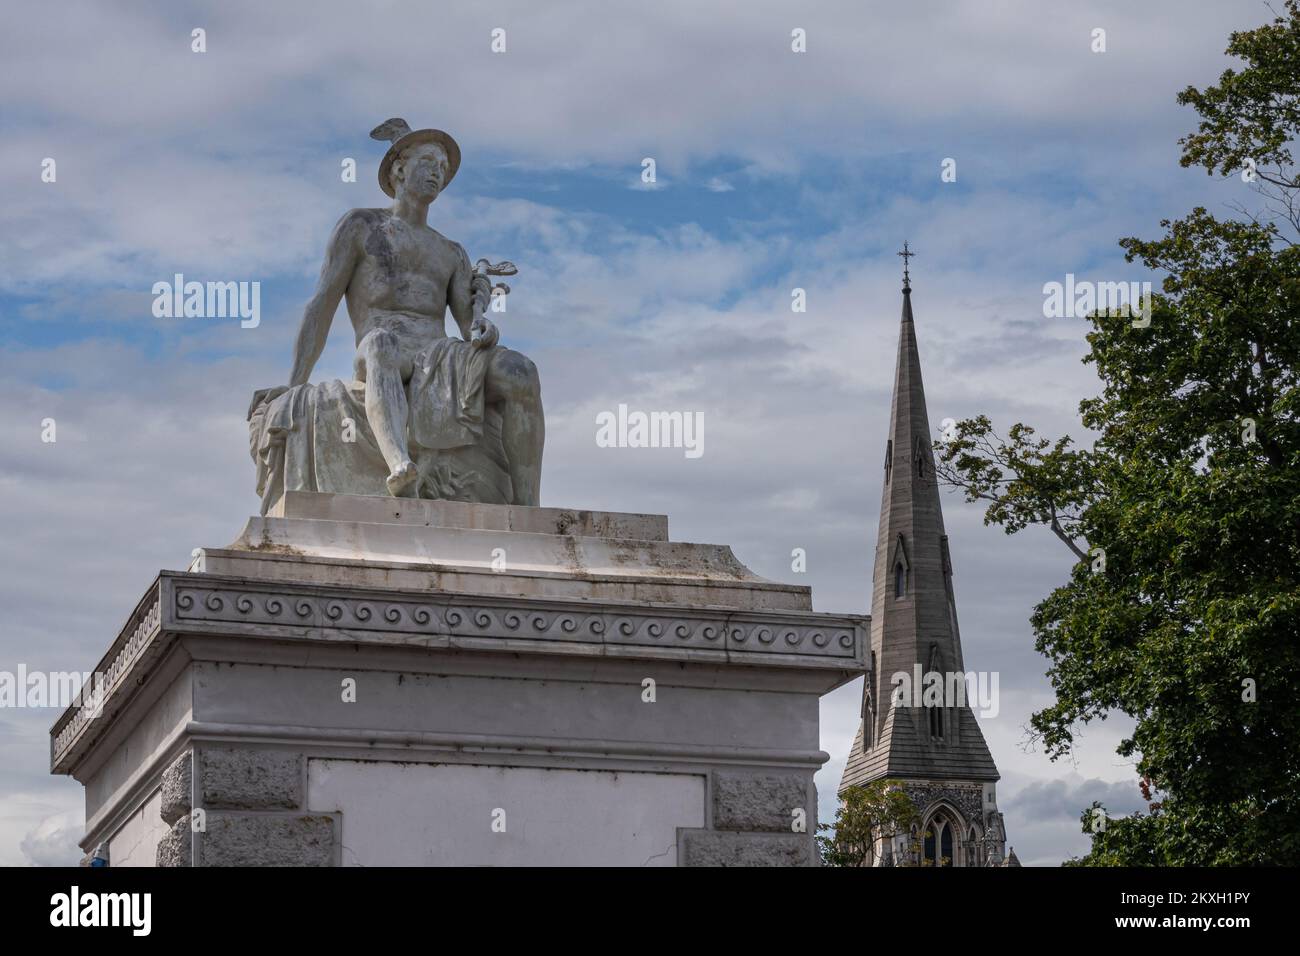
{"points": [[776, 170]]}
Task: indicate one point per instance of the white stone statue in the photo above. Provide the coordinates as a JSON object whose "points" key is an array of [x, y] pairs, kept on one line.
{"points": [[428, 416]]}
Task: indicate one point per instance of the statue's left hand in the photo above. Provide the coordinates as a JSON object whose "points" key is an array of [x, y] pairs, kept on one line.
{"points": [[265, 395], [483, 333]]}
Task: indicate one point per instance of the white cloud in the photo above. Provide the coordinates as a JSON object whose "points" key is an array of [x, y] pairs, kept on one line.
{"points": [[53, 841]]}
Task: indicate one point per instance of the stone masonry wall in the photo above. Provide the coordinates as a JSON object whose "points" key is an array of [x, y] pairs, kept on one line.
{"points": [[759, 819], [250, 811]]}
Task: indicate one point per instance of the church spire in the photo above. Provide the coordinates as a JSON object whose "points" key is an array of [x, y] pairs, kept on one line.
{"points": [[913, 608]]}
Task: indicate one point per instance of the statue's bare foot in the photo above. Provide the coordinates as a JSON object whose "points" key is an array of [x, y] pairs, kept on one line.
{"points": [[402, 482]]}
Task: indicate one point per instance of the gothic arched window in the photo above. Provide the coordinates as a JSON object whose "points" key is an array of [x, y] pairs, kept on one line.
{"points": [[900, 580], [939, 842]]}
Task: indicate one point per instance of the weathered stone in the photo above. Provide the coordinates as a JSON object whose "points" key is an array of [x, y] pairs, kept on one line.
{"points": [[418, 512], [420, 434], [174, 847], [968, 799], [267, 839], [727, 848], [743, 801], [176, 788], [251, 779]]}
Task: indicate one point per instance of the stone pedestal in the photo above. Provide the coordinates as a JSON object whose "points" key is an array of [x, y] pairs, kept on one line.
{"points": [[374, 681]]}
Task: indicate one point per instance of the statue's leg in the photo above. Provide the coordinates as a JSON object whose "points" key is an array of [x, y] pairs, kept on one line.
{"points": [[513, 385], [380, 356]]}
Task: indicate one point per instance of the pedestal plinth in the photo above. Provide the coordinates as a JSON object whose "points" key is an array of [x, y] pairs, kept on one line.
{"points": [[374, 681]]}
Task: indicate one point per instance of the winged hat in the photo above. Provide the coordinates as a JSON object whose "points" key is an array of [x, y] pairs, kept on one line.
{"points": [[398, 132]]}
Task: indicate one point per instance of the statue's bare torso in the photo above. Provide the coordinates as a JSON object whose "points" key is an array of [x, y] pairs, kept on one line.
{"points": [[402, 281]]}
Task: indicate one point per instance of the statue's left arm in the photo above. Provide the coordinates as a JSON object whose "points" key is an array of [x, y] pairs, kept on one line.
{"points": [[467, 297]]}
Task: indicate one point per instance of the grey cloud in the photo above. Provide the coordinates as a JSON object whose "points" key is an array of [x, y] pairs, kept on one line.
{"points": [[53, 841], [1048, 800]]}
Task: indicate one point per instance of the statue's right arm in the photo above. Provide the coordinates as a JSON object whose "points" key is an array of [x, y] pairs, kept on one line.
{"points": [[341, 258]]}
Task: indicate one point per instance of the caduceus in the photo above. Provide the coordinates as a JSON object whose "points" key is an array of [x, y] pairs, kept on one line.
{"points": [[483, 292]]}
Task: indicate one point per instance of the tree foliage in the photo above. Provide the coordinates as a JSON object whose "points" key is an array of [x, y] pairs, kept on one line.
{"points": [[1183, 611], [867, 814]]}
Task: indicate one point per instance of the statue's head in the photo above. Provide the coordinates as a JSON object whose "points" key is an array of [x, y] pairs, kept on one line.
{"points": [[420, 172], [421, 163]]}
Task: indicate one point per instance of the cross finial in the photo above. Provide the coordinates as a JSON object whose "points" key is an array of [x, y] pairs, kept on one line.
{"points": [[906, 254]]}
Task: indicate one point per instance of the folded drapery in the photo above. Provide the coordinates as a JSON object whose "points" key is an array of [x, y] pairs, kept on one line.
{"points": [[317, 437]]}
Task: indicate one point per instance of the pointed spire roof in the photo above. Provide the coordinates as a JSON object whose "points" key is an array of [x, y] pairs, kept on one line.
{"points": [[913, 607]]}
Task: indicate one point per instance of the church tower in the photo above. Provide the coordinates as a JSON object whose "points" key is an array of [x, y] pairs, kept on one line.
{"points": [[937, 751]]}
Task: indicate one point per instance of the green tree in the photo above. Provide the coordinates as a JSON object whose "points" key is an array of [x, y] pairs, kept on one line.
{"points": [[877, 810], [1183, 610]]}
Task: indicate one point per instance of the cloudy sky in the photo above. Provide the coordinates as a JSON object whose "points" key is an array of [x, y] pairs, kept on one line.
{"points": [[776, 170]]}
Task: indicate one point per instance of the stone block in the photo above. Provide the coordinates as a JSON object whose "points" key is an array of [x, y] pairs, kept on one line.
{"points": [[267, 839], [176, 788], [321, 506], [174, 847], [744, 801], [728, 848], [247, 779]]}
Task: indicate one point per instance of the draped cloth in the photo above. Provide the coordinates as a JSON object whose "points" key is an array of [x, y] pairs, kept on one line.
{"points": [[317, 437]]}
